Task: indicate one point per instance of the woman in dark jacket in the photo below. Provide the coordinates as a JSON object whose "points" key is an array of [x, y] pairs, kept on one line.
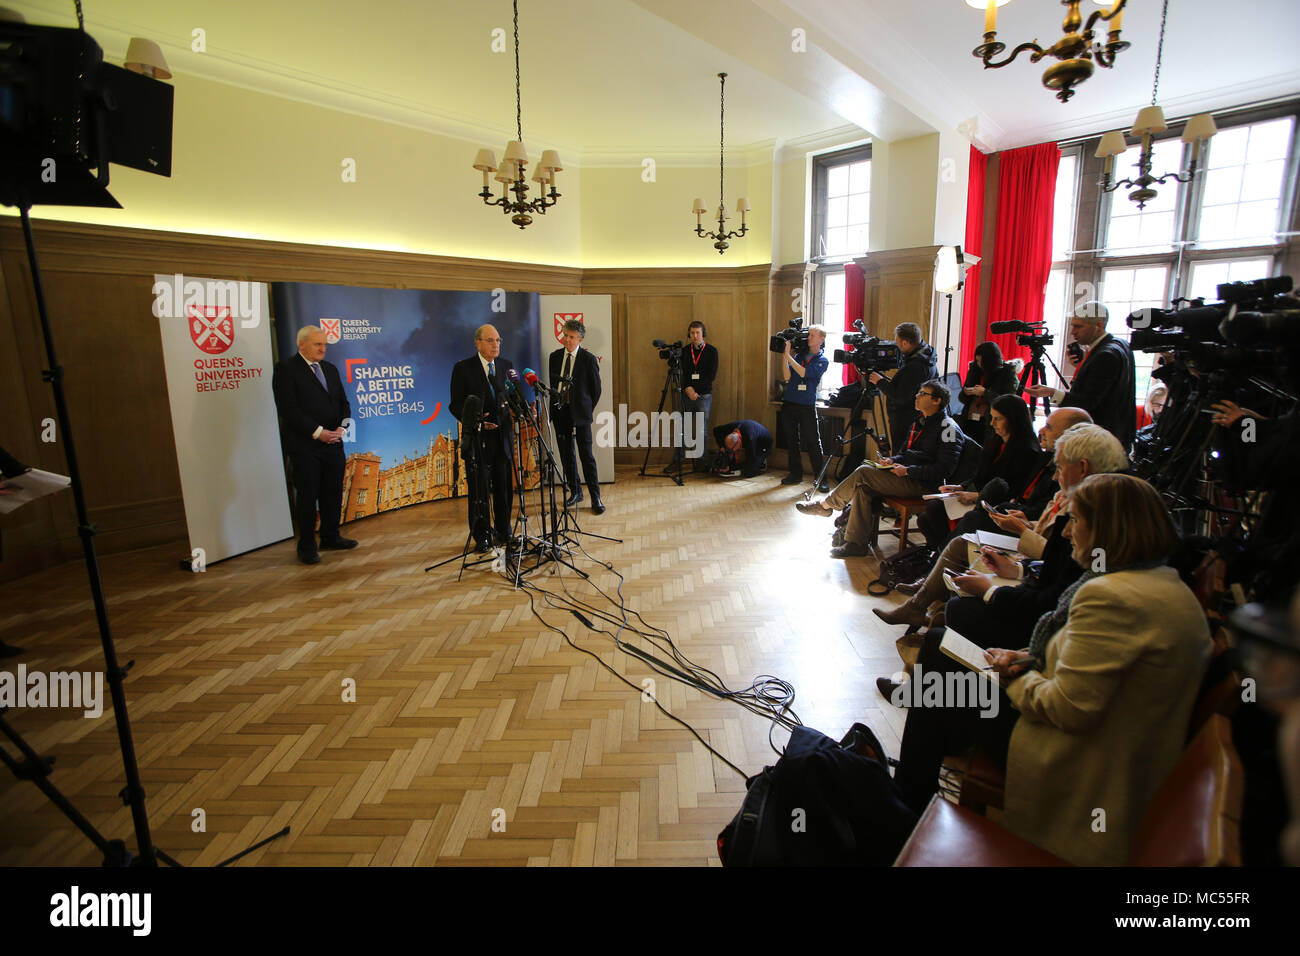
{"points": [[987, 377], [1012, 453]]}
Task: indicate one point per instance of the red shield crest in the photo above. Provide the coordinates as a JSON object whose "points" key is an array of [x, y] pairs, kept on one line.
{"points": [[211, 328], [560, 319], [333, 329]]}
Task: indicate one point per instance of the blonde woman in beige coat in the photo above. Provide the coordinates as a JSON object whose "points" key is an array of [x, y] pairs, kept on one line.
{"points": [[1105, 719]]}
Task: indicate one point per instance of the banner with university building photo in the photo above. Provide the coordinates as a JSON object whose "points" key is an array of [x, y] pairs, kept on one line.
{"points": [[596, 313], [216, 343], [394, 349]]}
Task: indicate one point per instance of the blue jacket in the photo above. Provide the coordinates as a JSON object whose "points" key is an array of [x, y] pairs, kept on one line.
{"points": [[814, 367]]}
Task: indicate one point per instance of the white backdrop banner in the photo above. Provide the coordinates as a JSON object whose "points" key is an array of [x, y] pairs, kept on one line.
{"points": [[216, 341], [597, 313]]}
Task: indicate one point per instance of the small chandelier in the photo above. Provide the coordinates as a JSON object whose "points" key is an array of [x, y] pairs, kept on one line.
{"points": [[513, 173], [1151, 120], [742, 204], [1076, 51]]}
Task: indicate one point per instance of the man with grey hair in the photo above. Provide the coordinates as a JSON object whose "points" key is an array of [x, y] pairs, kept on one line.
{"points": [[1103, 380], [312, 407]]}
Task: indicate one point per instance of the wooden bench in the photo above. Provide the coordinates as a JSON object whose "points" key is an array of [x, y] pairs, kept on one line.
{"points": [[1193, 820]]}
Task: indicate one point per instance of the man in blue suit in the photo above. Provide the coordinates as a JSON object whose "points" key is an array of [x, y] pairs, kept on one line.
{"points": [[312, 407]]}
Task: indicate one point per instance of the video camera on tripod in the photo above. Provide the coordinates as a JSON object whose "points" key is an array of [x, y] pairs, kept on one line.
{"points": [[1246, 328], [1031, 335], [670, 352], [867, 353]]}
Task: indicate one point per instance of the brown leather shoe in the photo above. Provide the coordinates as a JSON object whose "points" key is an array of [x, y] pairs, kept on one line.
{"points": [[912, 587], [903, 614], [818, 508], [851, 550]]}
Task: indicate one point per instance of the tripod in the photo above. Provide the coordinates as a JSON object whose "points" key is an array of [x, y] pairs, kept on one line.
{"points": [[1035, 374], [35, 768], [673, 386], [845, 439], [480, 488]]}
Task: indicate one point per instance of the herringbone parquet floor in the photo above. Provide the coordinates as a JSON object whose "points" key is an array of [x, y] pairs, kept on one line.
{"points": [[474, 735]]}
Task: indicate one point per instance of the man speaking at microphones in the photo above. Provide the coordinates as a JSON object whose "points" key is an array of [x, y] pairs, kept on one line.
{"points": [[486, 455], [575, 390]]}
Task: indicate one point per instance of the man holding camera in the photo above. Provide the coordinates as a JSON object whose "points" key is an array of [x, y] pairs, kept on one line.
{"points": [[799, 404], [900, 391], [1103, 379], [699, 368], [927, 458], [575, 390]]}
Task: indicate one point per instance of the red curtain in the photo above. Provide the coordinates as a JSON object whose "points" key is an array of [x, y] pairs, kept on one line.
{"points": [[979, 164], [1022, 246], [855, 288]]}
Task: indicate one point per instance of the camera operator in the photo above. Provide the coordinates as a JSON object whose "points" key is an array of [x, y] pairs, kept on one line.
{"points": [[900, 391], [799, 406], [748, 442], [928, 457], [1103, 380], [699, 368]]}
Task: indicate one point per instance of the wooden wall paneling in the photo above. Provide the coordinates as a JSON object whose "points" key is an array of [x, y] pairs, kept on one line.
{"points": [[28, 537], [651, 317]]}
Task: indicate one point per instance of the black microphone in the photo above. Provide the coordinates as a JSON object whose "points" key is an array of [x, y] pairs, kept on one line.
{"points": [[996, 492], [471, 415], [1012, 325], [659, 344], [513, 395]]}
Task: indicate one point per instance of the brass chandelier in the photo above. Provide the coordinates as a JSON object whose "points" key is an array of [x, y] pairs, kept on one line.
{"points": [[514, 167], [742, 204], [1076, 51], [1151, 120]]}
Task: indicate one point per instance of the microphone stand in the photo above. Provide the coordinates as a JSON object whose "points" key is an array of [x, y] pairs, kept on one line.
{"points": [[472, 442]]}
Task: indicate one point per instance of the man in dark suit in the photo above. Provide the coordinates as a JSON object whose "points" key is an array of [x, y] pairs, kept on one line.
{"points": [[486, 450], [1103, 381], [312, 406], [575, 389]]}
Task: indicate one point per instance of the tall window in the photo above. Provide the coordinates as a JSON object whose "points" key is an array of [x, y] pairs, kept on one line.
{"points": [[841, 216], [1232, 223]]}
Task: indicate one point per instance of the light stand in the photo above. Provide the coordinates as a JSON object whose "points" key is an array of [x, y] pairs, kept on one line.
{"points": [[950, 267]]}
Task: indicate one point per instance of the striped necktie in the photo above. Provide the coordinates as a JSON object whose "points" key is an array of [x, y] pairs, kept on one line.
{"points": [[492, 373]]}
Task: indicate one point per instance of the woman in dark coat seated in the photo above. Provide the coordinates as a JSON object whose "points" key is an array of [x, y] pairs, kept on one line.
{"points": [[987, 377], [1012, 453]]}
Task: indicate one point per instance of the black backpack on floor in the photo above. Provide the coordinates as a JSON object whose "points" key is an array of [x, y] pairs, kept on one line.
{"points": [[822, 804], [902, 568]]}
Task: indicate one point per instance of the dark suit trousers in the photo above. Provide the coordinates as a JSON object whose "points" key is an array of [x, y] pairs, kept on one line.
{"points": [[491, 478], [799, 425], [565, 435], [317, 484], [931, 733]]}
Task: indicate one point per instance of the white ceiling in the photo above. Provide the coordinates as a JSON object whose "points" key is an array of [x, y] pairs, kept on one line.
{"points": [[606, 80]]}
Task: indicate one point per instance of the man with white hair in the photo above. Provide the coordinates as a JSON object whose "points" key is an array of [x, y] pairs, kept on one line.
{"points": [[1103, 380], [312, 407]]}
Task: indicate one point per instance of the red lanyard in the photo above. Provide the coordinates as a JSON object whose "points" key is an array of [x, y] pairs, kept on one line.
{"points": [[1024, 495], [911, 436], [695, 357], [1000, 451], [1087, 355]]}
